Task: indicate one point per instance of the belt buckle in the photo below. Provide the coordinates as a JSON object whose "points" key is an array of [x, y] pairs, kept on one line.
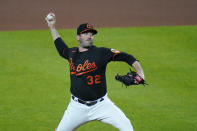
{"points": [[91, 103], [101, 99]]}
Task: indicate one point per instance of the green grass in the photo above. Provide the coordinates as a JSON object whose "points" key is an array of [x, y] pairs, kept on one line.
{"points": [[34, 80]]}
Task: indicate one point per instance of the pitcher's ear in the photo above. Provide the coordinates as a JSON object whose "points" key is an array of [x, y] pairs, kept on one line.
{"points": [[77, 37]]}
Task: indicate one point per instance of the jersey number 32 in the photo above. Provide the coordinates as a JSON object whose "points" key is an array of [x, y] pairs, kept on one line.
{"points": [[94, 79]]}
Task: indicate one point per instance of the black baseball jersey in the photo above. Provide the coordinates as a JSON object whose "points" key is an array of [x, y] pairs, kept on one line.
{"points": [[87, 69]]}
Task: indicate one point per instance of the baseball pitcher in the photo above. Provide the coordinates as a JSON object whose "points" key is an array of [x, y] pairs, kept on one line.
{"points": [[89, 100]]}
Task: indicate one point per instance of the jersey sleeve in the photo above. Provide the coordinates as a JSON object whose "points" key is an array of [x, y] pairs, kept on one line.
{"points": [[62, 48], [115, 55]]}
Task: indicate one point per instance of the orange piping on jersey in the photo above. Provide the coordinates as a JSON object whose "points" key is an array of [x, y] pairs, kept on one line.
{"points": [[63, 52], [114, 55]]}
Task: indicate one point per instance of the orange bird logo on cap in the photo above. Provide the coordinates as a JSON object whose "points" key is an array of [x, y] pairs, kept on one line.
{"points": [[89, 26]]}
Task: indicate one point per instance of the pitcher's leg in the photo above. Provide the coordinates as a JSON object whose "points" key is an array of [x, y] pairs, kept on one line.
{"points": [[73, 117], [118, 119], [109, 113]]}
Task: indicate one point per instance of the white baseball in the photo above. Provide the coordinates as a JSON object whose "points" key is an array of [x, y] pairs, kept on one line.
{"points": [[50, 16]]}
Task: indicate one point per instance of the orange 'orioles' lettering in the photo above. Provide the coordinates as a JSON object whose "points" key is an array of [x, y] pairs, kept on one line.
{"points": [[72, 67], [79, 67], [82, 68]]}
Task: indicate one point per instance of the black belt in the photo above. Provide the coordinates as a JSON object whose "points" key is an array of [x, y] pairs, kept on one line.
{"points": [[87, 103]]}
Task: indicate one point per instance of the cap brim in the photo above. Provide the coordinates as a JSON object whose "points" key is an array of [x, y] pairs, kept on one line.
{"points": [[89, 30]]}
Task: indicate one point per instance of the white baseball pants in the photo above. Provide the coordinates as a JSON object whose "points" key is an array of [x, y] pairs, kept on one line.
{"points": [[105, 111]]}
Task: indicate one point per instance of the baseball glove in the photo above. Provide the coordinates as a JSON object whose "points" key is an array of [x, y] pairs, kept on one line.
{"points": [[131, 78]]}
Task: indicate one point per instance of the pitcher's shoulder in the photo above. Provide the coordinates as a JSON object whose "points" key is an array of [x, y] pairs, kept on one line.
{"points": [[73, 49], [103, 48]]}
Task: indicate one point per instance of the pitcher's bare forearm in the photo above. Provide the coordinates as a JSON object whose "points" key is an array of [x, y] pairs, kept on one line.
{"points": [[136, 65], [54, 33]]}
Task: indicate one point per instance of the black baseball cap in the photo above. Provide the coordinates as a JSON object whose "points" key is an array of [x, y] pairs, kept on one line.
{"points": [[83, 28]]}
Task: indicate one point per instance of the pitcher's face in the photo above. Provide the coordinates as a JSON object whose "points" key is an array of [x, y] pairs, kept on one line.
{"points": [[85, 39]]}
